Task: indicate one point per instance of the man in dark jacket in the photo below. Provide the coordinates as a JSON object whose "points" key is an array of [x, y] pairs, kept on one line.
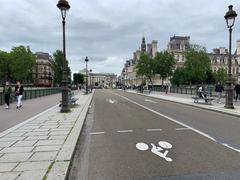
{"points": [[7, 93], [219, 89], [237, 90]]}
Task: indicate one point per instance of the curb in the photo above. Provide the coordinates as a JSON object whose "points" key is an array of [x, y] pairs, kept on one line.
{"points": [[62, 164], [191, 105]]}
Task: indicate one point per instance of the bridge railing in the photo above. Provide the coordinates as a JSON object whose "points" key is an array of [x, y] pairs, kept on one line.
{"points": [[31, 93], [190, 90]]}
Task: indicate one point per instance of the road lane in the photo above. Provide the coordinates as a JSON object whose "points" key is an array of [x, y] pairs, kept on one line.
{"points": [[222, 127], [113, 155]]}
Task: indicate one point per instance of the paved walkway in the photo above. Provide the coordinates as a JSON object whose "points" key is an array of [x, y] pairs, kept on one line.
{"points": [[31, 107], [187, 99], [42, 147]]}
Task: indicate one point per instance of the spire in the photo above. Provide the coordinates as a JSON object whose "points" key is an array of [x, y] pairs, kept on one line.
{"points": [[143, 45]]}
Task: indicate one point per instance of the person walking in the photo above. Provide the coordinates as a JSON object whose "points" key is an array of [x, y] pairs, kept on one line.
{"points": [[219, 89], [7, 93], [237, 91], [19, 93]]}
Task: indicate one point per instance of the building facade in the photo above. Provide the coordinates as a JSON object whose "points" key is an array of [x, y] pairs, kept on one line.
{"points": [[129, 76], [43, 72], [103, 80], [178, 45]]}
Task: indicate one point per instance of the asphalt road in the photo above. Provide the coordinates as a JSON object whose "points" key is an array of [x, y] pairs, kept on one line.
{"points": [[129, 137]]}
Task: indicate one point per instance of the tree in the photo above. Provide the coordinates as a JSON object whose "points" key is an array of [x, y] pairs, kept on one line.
{"points": [[5, 70], [145, 67], [197, 64], [22, 63], [78, 78], [220, 75], [164, 63], [179, 76], [57, 65]]}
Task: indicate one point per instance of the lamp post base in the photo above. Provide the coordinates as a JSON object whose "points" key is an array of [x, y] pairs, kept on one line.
{"points": [[229, 95], [65, 107], [229, 107]]}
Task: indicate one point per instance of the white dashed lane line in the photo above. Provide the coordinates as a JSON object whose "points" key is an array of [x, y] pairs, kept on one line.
{"points": [[130, 131], [96, 133], [151, 130], [125, 131]]}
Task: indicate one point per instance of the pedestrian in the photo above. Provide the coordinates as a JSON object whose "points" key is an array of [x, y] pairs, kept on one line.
{"points": [[219, 89], [166, 88], [237, 91], [19, 93], [7, 93]]}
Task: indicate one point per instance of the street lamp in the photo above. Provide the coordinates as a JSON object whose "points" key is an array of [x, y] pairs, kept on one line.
{"points": [[64, 7], [86, 60], [230, 20], [90, 78]]}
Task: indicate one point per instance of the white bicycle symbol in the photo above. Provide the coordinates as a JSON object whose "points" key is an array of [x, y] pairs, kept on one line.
{"points": [[157, 150]]}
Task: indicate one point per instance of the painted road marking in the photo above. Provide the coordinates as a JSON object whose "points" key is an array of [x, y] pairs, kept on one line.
{"points": [[149, 100], [180, 123], [96, 133], [125, 131], [157, 149], [182, 129], [111, 101], [150, 130]]}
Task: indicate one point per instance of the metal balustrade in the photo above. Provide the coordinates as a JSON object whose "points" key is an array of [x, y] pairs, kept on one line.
{"points": [[31, 94], [190, 90]]}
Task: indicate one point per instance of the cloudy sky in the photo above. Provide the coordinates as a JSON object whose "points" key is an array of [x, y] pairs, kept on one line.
{"points": [[108, 31]]}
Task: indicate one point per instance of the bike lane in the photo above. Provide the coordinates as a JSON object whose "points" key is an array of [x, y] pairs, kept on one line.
{"points": [[129, 142]]}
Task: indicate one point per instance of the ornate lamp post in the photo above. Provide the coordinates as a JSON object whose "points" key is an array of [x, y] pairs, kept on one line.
{"points": [[86, 60], [230, 20], [90, 78], [64, 7]]}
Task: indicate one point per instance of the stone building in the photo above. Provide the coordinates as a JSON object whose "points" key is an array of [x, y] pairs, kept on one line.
{"points": [[178, 45], [129, 76], [104, 80], [43, 72], [219, 59]]}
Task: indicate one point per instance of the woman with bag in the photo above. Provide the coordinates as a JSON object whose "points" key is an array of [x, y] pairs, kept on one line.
{"points": [[19, 93]]}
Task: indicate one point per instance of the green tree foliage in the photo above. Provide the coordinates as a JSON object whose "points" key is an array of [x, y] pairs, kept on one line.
{"points": [[5, 70], [164, 63], [145, 67], [197, 64], [22, 63], [179, 76], [57, 66], [220, 75], [78, 78]]}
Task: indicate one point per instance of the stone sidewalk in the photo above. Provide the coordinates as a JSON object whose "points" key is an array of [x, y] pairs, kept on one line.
{"points": [[42, 147], [187, 100]]}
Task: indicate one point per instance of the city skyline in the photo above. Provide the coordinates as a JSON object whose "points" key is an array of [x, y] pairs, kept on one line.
{"points": [[109, 32]]}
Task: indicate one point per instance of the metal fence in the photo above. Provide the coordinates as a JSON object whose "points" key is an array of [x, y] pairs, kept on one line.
{"points": [[31, 94], [191, 90]]}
